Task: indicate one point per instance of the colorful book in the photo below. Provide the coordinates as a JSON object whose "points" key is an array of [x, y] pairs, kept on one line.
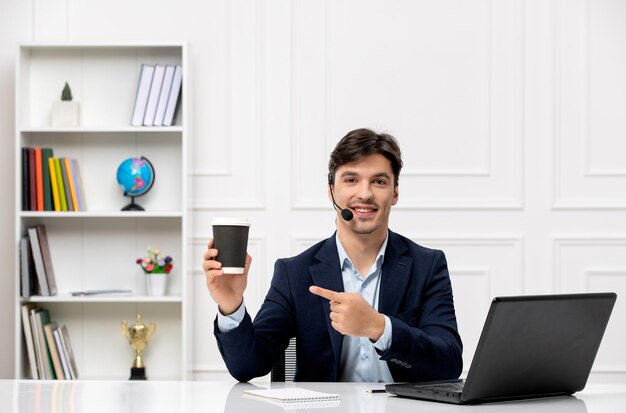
{"points": [[62, 198], [38, 260], [27, 269], [25, 186], [39, 179], [64, 361], [28, 337], [66, 185], [46, 153], [47, 258], [32, 179], [70, 180], [53, 183], [54, 351], [67, 347], [32, 317], [78, 184], [42, 318]]}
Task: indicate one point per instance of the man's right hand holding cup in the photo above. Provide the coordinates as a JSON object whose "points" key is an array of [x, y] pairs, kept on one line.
{"points": [[226, 289]]}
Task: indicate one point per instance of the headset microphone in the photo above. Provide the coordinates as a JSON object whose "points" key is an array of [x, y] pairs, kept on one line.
{"points": [[346, 214]]}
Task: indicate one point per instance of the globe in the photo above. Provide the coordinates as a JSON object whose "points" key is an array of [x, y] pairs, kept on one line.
{"points": [[136, 176]]}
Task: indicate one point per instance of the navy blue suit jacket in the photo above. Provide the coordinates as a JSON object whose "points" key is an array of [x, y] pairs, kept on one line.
{"points": [[415, 293]]}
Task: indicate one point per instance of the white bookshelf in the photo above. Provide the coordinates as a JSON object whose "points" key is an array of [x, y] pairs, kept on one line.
{"points": [[97, 248]]}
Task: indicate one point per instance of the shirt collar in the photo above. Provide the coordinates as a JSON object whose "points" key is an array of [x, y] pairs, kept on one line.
{"points": [[344, 259]]}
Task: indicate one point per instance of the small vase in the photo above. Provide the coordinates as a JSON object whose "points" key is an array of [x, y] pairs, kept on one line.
{"points": [[156, 284], [65, 114]]}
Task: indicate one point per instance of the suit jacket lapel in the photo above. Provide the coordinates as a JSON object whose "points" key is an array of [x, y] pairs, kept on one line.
{"points": [[395, 276], [327, 274]]}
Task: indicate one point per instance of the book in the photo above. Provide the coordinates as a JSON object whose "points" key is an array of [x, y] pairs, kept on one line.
{"points": [[46, 153], [66, 185], [62, 198], [293, 395], [70, 181], [168, 77], [36, 343], [53, 183], [67, 347], [64, 362], [54, 351], [25, 187], [41, 319], [27, 269], [143, 90], [172, 100], [44, 246], [38, 260], [78, 184], [39, 179], [153, 97], [32, 179], [28, 338], [102, 293]]}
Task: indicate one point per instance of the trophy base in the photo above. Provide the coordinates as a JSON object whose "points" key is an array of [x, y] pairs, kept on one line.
{"points": [[138, 373]]}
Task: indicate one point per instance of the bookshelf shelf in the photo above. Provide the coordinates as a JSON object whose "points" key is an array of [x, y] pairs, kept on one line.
{"points": [[68, 299], [104, 214], [85, 129], [97, 248]]}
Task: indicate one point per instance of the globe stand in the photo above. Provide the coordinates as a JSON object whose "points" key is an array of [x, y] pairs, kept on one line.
{"points": [[133, 206]]}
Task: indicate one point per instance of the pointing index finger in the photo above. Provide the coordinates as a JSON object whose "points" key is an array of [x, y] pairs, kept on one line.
{"points": [[323, 292]]}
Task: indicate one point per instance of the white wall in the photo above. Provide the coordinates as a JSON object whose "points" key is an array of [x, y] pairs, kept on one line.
{"points": [[509, 114]]}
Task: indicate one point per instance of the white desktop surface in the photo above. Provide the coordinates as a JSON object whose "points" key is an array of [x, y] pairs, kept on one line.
{"points": [[21, 396]]}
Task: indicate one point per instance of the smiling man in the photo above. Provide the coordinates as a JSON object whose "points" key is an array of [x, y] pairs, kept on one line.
{"points": [[366, 304]]}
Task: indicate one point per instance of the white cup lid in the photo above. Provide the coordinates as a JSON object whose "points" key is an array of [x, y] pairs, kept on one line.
{"points": [[231, 221]]}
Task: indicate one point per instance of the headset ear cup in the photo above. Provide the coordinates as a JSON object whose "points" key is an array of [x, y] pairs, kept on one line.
{"points": [[330, 179]]}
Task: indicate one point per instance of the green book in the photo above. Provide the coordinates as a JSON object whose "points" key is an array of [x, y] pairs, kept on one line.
{"points": [[47, 185], [43, 318], [62, 198]]}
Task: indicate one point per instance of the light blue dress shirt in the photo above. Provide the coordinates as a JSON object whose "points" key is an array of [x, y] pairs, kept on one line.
{"points": [[359, 360]]}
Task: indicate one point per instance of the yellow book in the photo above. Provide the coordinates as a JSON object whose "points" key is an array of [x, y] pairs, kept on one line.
{"points": [[53, 182], [70, 180], [57, 167]]}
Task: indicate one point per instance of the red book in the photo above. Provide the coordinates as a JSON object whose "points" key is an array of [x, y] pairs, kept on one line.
{"points": [[39, 177], [32, 180]]}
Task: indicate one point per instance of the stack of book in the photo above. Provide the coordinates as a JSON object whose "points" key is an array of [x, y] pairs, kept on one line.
{"points": [[37, 274], [48, 346], [158, 95], [50, 184]]}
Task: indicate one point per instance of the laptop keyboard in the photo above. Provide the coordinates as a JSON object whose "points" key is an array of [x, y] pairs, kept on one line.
{"points": [[450, 387]]}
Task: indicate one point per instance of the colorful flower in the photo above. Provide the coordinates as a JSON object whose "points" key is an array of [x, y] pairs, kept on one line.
{"points": [[155, 262]]}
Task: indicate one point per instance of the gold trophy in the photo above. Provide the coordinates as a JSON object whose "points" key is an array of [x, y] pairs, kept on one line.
{"points": [[138, 336]]}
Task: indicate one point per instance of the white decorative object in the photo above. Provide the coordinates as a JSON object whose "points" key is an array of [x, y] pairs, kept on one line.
{"points": [[156, 283], [65, 114]]}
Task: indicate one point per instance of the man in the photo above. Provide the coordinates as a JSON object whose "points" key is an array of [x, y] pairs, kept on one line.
{"points": [[365, 304]]}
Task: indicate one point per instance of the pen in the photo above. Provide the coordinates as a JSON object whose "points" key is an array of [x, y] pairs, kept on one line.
{"points": [[377, 391]]}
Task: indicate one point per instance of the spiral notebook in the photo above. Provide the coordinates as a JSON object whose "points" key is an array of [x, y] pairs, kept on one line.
{"points": [[294, 396]]}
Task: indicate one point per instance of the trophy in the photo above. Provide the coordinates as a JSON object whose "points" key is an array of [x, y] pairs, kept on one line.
{"points": [[138, 336]]}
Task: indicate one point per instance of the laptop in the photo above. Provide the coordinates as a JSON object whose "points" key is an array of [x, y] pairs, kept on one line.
{"points": [[530, 346]]}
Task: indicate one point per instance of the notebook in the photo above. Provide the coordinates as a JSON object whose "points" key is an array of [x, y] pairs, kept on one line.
{"points": [[530, 346], [294, 397]]}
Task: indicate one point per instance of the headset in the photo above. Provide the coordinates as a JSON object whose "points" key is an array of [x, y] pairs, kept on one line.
{"points": [[346, 214]]}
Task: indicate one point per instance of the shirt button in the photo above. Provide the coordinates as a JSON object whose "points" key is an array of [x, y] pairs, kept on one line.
{"points": [[365, 356]]}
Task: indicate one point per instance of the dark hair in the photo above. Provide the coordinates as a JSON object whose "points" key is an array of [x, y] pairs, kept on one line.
{"points": [[361, 143]]}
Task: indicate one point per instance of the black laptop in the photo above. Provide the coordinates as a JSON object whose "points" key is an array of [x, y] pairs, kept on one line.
{"points": [[530, 346]]}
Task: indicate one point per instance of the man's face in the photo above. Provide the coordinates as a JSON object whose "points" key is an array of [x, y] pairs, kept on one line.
{"points": [[366, 187]]}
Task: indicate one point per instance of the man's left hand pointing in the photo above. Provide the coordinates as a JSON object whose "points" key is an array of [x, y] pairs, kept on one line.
{"points": [[351, 315]]}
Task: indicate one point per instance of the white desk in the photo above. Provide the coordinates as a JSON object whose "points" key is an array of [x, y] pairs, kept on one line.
{"points": [[22, 396]]}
